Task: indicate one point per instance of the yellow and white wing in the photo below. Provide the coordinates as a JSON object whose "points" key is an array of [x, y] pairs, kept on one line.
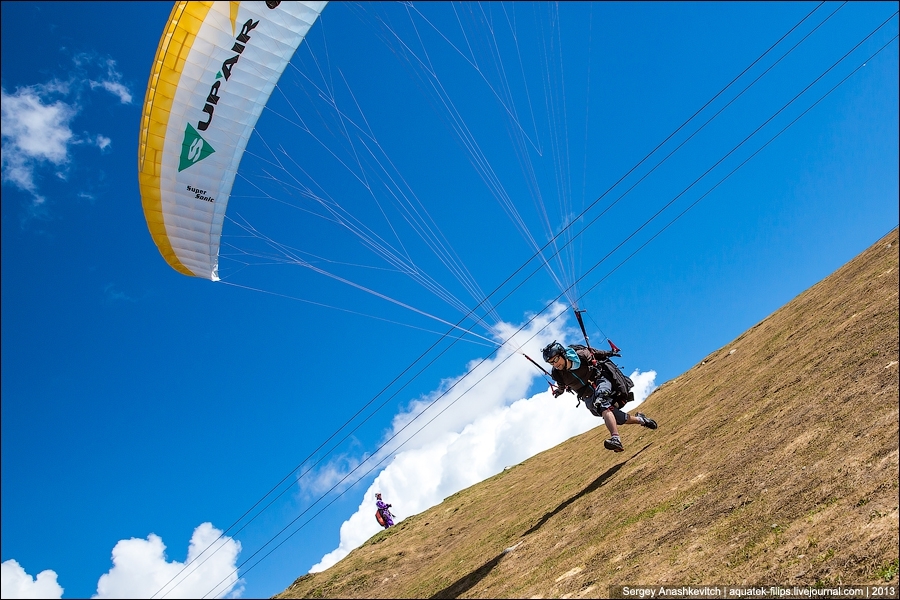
{"points": [[214, 71]]}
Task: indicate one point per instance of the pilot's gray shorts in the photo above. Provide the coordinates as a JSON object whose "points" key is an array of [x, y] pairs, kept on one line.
{"points": [[600, 401]]}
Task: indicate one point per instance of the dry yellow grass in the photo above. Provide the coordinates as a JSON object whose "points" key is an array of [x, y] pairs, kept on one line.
{"points": [[776, 463]]}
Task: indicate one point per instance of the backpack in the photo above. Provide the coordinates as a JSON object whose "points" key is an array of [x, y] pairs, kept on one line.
{"points": [[621, 383]]}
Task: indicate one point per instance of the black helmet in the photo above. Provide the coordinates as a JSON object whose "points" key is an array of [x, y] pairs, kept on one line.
{"points": [[553, 350]]}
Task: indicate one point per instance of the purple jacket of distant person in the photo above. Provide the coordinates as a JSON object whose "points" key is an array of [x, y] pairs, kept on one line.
{"points": [[385, 513]]}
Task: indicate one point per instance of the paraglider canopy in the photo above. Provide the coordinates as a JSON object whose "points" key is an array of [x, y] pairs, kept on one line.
{"points": [[214, 71]]}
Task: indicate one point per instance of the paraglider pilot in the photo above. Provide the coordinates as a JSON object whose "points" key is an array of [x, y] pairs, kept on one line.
{"points": [[387, 519], [580, 370]]}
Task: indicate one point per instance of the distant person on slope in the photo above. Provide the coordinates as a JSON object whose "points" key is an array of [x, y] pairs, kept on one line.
{"points": [[588, 373], [387, 519]]}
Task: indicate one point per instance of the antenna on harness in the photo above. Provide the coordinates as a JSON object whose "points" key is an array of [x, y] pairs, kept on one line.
{"points": [[615, 349], [583, 330]]}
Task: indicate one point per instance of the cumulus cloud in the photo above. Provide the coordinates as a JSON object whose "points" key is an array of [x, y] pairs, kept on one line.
{"points": [[472, 431], [36, 126], [141, 570], [16, 583]]}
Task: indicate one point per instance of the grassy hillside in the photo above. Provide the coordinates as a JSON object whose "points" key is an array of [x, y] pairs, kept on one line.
{"points": [[776, 463]]}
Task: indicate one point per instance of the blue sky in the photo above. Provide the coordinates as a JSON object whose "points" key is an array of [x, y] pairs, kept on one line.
{"points": [[142, 409]]}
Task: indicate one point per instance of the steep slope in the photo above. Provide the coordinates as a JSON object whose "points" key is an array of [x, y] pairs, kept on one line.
{"points": [[776, 463]]}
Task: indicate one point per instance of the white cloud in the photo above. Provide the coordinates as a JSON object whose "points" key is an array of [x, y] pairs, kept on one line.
{"points": [[37, 124], [34, 131], [111, 81], [483, 430], [644, 384], [140, 568], [16, 583], [38, 130], [115, 88]]}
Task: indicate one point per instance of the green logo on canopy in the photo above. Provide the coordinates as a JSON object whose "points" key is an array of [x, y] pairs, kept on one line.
{"points": [[193, 149]]}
